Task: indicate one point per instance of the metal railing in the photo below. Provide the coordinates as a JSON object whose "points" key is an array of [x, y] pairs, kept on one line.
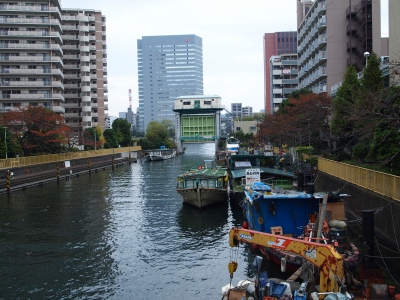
{"points": [[43, 159], [378, 182]]}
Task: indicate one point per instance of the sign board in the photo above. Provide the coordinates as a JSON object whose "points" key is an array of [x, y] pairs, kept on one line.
{"points": [[252, 175], [67, 164]]}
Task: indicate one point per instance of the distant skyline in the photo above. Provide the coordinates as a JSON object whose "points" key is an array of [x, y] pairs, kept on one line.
{"points": [[232, 33]]}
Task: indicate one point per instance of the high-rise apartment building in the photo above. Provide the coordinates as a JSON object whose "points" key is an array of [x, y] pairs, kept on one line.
{"points": [[275, 44], [85, 68], [236, 110], [247, 111], [283, 78], [55, 58], [168, 67], [31, 55], [333, 35]]}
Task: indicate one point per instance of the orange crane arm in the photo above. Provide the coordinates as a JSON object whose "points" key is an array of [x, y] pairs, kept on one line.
{"points": [[325, 257]]}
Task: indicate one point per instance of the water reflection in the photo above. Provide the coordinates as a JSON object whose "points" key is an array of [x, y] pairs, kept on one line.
{"points": [[117, 235]]}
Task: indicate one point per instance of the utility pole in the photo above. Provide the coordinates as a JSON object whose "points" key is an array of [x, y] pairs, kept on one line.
{"points": [[95, 139], [5, 140]]}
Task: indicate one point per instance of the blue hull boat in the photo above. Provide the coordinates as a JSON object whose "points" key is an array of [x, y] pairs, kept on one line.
{"points": [[292, 213], [278, 211]]}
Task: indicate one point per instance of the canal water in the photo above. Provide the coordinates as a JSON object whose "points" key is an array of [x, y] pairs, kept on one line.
{"points": [[121, 234]]}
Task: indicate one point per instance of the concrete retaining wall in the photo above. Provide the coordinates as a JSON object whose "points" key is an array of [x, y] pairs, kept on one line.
{"points": [[387, 211]]}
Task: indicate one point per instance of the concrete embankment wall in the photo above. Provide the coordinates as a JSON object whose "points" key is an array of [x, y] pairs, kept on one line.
{"points": [[387, 210], [39, 174]]}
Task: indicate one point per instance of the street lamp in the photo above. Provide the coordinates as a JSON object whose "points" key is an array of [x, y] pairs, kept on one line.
{"points": [[95, 140], [366, 55]]}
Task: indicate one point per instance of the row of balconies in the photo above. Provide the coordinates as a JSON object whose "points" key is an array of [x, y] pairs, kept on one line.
{"points": [[16, 106], [27, 96], [39, 58], [29, 8], [32, 71], [79, 18], [26, 46], [316, 45], [318, 27], [28, 84], [285, 81], [30, 34], [313, 76], [312, 63], [317, 10], [38, 20]]}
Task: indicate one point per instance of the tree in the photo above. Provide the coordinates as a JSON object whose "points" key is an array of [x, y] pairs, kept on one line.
{"points": [[110, 139], [7, 146], [89, 139], [343, 103], [37, 129], [293, 95], [123, 132], [169, 125], [100, 140], [372, 80], [307, 116]]}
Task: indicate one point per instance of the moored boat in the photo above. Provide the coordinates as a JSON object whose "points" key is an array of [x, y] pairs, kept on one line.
{"points": [[294, 214], [205, 186], [159, 154], [241, 163]]}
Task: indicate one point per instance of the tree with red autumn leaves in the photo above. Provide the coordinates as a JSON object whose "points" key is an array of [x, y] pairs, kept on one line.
{"points": [[37, 129], [304, 120]]}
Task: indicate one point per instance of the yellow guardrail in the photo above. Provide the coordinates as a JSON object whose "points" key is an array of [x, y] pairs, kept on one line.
{"points": [[42, 159], [381, 183]]}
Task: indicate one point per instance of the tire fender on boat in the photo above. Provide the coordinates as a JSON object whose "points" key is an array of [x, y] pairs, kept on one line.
{"points": [[337, 224]]}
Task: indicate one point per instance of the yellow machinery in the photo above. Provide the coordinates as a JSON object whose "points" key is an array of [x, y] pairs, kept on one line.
{"points": [[323, 256]]}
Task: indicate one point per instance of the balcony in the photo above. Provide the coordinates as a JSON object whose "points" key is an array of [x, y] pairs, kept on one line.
{"points": [[31, 97], [67, 37], [29, 8], [30, 84], [55, 72], [71, 66], [69, 28], [28, 21], [71, 86], [58, 109], [70, 47], [71, 105], [25, 46], [39, 58], [29, 34], [72, 76]]}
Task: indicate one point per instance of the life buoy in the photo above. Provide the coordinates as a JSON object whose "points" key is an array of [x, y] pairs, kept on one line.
{"points": [[199, 167], [27, 170]]}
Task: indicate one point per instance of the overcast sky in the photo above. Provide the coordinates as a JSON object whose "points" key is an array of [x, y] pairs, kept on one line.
{"points": [[232, 33]]}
